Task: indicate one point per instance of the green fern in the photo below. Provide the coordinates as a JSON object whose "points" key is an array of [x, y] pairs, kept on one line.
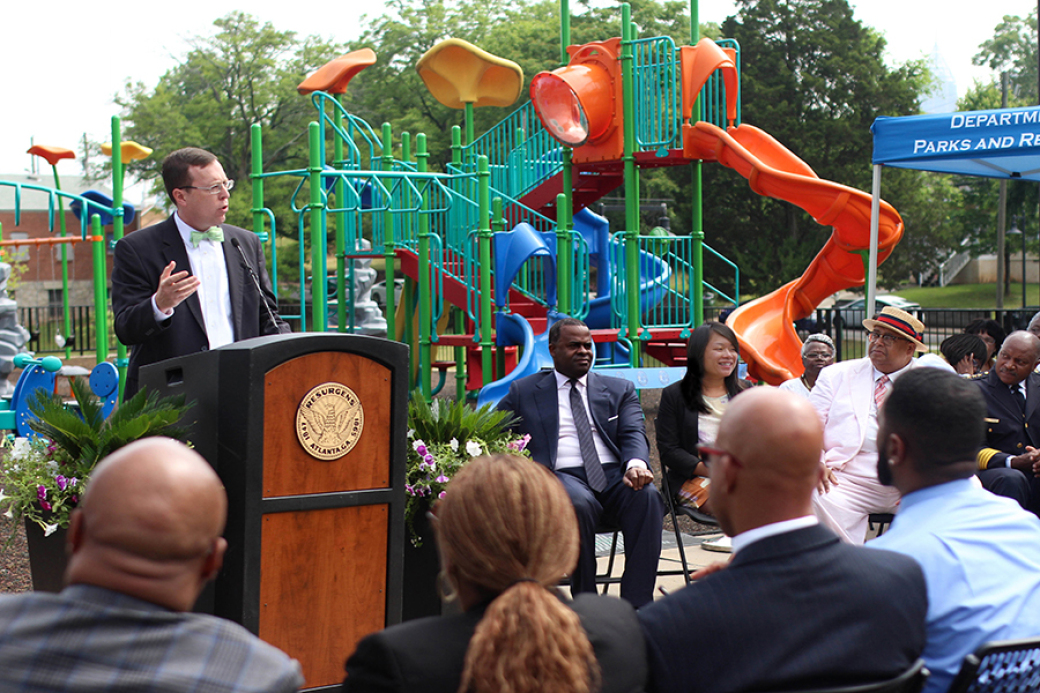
{"points": [[445, 420], [88, 437]]}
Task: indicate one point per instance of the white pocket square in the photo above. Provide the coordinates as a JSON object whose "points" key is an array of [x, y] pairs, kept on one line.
{"points": [[613, 417]]}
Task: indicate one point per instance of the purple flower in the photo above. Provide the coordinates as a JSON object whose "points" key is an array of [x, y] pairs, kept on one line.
{"points": [[41, 493], [61, 481], [422, 466], [409, 489], [442, 479], [73, 481], [421, 449], [45, 505], [442, 494], [75, 499]]}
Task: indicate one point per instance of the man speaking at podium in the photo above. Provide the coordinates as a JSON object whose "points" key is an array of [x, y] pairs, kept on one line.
{"points": [[192, 282]]}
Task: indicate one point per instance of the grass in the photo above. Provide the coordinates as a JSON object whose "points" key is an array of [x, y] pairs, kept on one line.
{"points": [[979, 296]]}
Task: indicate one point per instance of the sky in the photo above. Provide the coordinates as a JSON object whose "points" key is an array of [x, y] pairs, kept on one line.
{"points": [[53, 96]]}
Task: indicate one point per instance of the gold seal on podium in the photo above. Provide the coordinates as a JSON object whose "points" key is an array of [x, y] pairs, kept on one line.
{"points": [[329, 421]]}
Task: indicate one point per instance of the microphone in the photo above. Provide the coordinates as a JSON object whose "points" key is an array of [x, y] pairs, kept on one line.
{"points": [[256, 283]]}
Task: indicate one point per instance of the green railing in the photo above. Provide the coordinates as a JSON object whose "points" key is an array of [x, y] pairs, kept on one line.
{"points": [[667, 282]]}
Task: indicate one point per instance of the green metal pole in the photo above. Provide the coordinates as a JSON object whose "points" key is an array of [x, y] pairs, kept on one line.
{"points": [[101, 293], [319, 301], [696, 195], [117, 233], [425, 278], [469, 123], [259, 219], [341, 226], [458, 314], [564, 255], [631, 186], [66, 313], [564, 249], [484, 246], [409, 283], [498, 225], [565, 30], [389, 247]]}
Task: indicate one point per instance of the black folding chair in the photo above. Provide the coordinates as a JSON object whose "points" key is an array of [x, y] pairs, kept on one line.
{"points": [[910, 681], [676, 509], [1008, 666]]}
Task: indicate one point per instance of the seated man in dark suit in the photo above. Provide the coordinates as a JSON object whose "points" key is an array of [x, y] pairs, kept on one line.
{"points": [[589, 430], [1010, 461], [796, 608], [142, 545]]}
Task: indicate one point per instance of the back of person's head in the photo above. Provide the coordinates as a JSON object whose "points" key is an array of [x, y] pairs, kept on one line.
{"points": [[176, 165], [939, 416], [988, 327], [772, 439], [956, 347], [149, 524], [693, 381], [507, 527]]}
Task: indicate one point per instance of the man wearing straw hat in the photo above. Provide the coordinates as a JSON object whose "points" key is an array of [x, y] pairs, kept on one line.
{"points": [[847, 397]]}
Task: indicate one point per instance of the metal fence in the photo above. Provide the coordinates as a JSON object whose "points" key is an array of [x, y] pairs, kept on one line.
{"points": [[850, 338]]}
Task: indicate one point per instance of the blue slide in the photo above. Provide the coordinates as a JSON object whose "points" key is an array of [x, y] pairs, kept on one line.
{"points": [[514, 248]]}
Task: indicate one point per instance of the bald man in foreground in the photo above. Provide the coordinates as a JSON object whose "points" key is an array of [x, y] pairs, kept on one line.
{"points": [[796, 608], [143, 543]]}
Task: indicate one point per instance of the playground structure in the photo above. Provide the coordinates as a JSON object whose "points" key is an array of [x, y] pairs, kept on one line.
{"points": [[502, 242]]}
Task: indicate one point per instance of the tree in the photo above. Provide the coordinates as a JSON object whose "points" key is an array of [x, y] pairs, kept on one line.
{"points": [[1013, 49], [246, 73], [813, 77]]}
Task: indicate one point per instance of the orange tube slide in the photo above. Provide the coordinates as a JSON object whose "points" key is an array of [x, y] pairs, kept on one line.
{"points": [[765, 326]]}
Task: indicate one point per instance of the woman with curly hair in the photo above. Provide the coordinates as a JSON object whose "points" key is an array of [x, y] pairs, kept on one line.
{"points": [[507, 534]]}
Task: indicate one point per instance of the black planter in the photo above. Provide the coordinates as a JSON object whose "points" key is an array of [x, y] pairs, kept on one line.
{"points": [[47, 558], [421, 565]]}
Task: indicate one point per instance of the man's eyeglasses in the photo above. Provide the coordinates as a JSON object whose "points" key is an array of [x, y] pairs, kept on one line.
{"points": [[706, 451], [214, 189], [888, 339]]}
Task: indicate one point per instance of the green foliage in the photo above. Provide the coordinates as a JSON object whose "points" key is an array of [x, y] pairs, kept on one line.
{"points": [[1013, 50], [442, 438], [89, 437], [243, 74], [45, 476]]}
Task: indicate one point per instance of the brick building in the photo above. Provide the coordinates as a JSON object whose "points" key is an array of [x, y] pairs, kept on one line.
{"points": [[38, 268]]}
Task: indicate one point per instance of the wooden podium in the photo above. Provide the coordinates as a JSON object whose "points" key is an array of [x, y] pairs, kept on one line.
{"points": [[308, 434]]}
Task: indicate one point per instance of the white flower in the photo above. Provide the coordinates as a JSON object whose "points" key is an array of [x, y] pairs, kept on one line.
{"points": [[416, 444], [49, 530], [3, 495], [454, 444], [473, 448], [9, 514], [411, 432], [21, 448]]}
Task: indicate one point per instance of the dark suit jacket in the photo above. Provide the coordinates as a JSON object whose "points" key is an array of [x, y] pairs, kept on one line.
{"points": [[616, 414], [1008, 435], [676, 429], [796, 611], [139, 261], [427, 655]]}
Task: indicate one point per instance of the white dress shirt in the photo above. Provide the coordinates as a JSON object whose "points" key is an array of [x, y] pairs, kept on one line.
{"points": [[568, 451], [208, 264]]}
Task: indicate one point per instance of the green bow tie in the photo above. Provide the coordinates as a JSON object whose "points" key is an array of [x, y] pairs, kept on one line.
{"points": [[213, 233]]}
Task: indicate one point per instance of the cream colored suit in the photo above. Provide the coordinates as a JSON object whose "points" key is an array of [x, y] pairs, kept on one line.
{"points": [[843, 397]]}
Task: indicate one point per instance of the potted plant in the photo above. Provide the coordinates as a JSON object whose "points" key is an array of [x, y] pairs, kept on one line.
{"points": [[44, 476], [442, 437]]}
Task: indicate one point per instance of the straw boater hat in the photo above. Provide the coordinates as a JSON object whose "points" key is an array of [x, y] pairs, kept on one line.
{"points": [[901, 322]]}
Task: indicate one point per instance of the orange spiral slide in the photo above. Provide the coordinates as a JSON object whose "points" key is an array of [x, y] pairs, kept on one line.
{"points": [[765, 326]]}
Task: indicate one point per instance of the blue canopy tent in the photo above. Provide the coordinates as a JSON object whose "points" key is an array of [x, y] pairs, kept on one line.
{"points": [[1003, 143]]}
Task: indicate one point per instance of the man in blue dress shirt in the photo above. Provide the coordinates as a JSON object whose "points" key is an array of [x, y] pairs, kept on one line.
{"points": [[980, 552]]}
